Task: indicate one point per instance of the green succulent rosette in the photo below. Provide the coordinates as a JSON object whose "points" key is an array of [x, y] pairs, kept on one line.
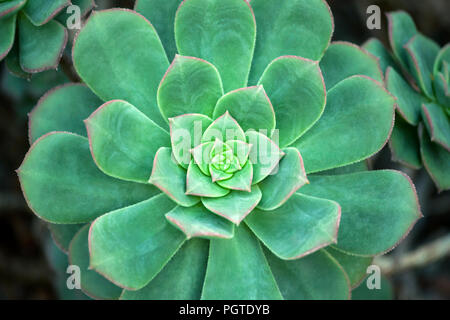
{"points": [[33, 33], [417, 74], [189, 181]]}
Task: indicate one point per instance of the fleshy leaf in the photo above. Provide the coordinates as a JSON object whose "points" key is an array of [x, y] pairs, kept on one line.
{"points": [[300, 227], [10, 7], [436, 160], [442, 90], [354, 266], [131, 245], [276, 189], [62, 109], [240, 149], [264, 155], [236, 205], [63, 234], [190, 85], [41, 47], [241, 180], [12, 63], [356, 123], [171, 178], [442, 57], [344, 59], [378, 208], [198, 222], [128, 57], [41, 11], [224, 128], [93, 284], [124, 141], [8, 27], [198, 184], [299, 99], [317, 276], [181, 278], [185, 134], [218, 175], [250, 107], [296, 27], [201, 156], [351, 168], [422, 53], [437, 124], [404, 144], [162, 16], [238, 270], [375, 47], [58, 172], [221, 32], [401, 30], [386, 291], [408, 101]]}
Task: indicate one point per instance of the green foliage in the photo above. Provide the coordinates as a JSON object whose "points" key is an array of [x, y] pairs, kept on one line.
{"points": [[191, 183], [417, 74]]}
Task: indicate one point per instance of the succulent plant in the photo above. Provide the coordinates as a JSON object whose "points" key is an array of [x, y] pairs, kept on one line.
{"points": [[417, 74], [40, 39], [189, 181]]}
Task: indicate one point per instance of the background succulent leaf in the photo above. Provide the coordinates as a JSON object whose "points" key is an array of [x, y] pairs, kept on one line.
{"points": [[344, 59], [9, 8], [354, 266], [276, 189], [238, 270], [63, 234], [236, 205], [171, 178], [41, 11], [351, 168], [297, 27], [241, 180], [317, 276], [299, 99], [190, 85], [437, 124], [404, 144], [182, 277], [422, 53], [162, 16], [250, 107], [185, 134], [12, 63], [386, 291], [128, 57], [442, 90], [124, 141], [224, 128], [8, 27], [330, 143], [196, 221], [264, 155], [62, 109], [198, 184], [378, 208], [436, 160], [301, 226], [130, 246], [408, 100], [442, 57], [58, 171], [401, 30], [221, 32], [92, 283], [385, 58], [40, 47]]}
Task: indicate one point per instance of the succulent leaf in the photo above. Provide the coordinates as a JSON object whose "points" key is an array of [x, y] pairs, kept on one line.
{"points": [[63, 234], [404, 144], [330, 143], [241, 180], [190, 85], [301, 226], [9, 8], [437, 124], [198, 184], [196, 221], [132, 259], [8, 27], [171, 178], [131, 73], [385, 58], [401, 30], [442, 58], [58, 171], [221, 32], [297, 27], [224, 128], [41, 11], [237, 269], [299, 99]]}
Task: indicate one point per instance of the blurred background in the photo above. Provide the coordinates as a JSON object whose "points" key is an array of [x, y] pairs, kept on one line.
{"points": [[31, 267]]}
